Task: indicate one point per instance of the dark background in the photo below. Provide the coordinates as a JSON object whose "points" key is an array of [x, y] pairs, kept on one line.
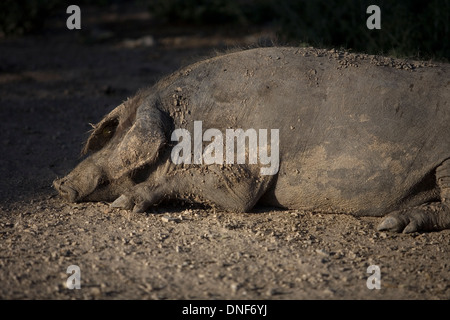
{"points": [[409, 28]]}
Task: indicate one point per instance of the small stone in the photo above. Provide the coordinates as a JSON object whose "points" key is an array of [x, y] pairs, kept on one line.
{"points": [[169, 219], [270, 292], [322, 252], [95, 292], [328, 292]]}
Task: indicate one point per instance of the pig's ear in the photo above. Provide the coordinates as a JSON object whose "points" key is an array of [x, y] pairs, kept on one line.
{"points": [[142, 143]]}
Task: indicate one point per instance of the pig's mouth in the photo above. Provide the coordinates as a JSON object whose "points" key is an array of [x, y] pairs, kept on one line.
{"points": [[101, 190], [66, 191]]}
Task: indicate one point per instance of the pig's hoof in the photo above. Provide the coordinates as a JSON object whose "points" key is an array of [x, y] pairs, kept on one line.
{"points": [[141, 207], [123, 202], [423, 218]]}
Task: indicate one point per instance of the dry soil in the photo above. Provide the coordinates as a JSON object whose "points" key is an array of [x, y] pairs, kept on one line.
{"points": [[54, 84]]}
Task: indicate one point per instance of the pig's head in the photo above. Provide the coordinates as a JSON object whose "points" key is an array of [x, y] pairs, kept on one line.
{"points": [[127, 140]]}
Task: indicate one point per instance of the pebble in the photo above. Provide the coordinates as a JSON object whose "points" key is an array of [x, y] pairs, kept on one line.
{"points": [[146, 41], [328, 292], [270, 292], [95, 291], [322, 252]]}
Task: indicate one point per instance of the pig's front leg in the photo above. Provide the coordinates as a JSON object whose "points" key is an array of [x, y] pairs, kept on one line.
{"points": [[140, 197], [234, 188]]}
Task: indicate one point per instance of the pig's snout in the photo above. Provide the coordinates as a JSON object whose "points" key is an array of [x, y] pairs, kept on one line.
{"points": [[65, 190], [82, 182]]}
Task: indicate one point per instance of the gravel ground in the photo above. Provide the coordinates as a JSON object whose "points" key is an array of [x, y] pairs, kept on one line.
{"points": [[53, 85]]}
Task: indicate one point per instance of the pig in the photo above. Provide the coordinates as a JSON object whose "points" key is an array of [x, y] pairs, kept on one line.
{"points": [[356, 134]]}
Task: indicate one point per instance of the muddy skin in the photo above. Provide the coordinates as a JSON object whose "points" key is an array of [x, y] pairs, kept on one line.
{"points": [[356, 136]]}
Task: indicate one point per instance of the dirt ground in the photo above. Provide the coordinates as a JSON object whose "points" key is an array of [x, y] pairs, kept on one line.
{"points": [[54, 84]]}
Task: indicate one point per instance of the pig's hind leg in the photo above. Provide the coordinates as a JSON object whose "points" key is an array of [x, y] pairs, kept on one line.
{"points": [[433, 216]]}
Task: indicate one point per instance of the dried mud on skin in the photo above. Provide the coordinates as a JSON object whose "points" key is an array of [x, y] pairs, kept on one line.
{"points": [[51, 88]]}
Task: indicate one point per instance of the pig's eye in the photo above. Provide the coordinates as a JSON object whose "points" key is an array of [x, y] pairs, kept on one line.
{"points": [[101, 135], [107, 132]]}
